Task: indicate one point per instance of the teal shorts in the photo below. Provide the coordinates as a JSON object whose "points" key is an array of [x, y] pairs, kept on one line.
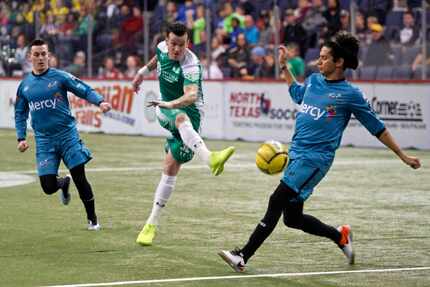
{"points": [[167, 117], [50, 152], [302, 176]]}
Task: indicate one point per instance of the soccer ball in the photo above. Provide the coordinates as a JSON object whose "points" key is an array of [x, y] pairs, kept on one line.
{"points": [[272, 157]]}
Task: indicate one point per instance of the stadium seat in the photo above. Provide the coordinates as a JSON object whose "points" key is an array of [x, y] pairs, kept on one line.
{"points": [[384, 72], [417, 74], [397, 53], [409, 54], [394, 18], [402, 73], [367, 73]]}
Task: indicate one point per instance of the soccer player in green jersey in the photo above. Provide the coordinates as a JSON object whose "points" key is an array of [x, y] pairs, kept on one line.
{"points": [[180, 112]]}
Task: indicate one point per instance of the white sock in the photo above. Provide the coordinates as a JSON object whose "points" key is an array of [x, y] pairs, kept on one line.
{"points": [[193, 140], [164, 190]]}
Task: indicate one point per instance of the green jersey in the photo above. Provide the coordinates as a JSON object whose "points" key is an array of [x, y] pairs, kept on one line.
{"points": [[175, 75]]}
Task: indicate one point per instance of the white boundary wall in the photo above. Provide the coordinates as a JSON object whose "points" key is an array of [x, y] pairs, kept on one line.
{"points": [[253, 111]]}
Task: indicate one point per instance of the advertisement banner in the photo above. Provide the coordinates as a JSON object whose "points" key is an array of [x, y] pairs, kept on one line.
{"points": [[405, 111], [258, 112]]}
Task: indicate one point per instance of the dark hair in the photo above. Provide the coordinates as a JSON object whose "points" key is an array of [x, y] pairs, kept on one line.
{"points": [[345, 46], [38, 42], [177, 28]]}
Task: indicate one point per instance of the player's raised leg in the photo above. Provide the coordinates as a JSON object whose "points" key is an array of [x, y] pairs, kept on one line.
{"points": [[216, 159]]}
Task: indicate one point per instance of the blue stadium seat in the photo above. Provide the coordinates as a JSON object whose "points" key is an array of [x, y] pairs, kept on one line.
{"points": [[402, 73], [394, 18], [384, 72], [409, 54], [367, 73], [417, 74]]}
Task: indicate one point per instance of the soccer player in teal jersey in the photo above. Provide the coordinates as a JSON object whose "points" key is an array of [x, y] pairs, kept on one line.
{"points": [[180, 112], [43, 94], [327, 102]]}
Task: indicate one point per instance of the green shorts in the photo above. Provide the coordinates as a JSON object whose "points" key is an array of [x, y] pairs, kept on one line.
{"points": [[167, 117]]}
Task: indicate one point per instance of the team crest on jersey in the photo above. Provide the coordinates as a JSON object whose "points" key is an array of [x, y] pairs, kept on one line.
{"points": [[192, 77], [58, 96], [331, 111], [176, 70]]}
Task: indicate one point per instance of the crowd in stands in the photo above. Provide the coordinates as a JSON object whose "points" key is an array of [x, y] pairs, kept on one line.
{"points": [[242, 35]]}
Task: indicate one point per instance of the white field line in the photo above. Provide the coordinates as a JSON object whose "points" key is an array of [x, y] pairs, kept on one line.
{"points": [[249, 165], [304, 274]]}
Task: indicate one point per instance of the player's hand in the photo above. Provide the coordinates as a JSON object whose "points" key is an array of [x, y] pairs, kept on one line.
{"points": [[105, 107], [23, 146], [138, 79], [412, 161], [161, 104], [282, 57]]}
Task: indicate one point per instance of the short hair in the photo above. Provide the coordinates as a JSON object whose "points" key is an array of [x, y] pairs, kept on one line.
{"points": [[345, 46], [177, 28], [38, 42]]}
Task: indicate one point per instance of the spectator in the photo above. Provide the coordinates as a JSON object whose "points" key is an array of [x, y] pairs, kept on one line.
{"points": [[410, 33], [344, 21], [332, 16], [171, 12], [238, 56], [314, 21], [267, 29], [131, 25], [294, 32], [21, 57], [380, 51], [229, 16], [77, 68], [133, 65], [211, 71], [217, 48], [53, 61], [252, 34], [360, 27], [108, 71], [199, 29], [301, 13], [236, 30], [295, 63], [258, 67]]}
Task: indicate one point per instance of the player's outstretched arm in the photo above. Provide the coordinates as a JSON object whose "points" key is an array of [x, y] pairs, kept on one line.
{"points": [[189, 97], [144, 71], [282, 58], [387, 139]]}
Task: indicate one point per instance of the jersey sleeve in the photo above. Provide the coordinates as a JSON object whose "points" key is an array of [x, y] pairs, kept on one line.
{"points": [[192, 74], [364, 113], [21, 114], [297, 91], [80, 89]]}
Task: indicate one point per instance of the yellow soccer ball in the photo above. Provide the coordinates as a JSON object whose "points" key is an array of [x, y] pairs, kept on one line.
{"points": [[272, 157]]}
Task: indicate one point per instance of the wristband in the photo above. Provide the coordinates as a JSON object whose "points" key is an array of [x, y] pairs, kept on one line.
{"points": [[20, 140], [143, 71]]}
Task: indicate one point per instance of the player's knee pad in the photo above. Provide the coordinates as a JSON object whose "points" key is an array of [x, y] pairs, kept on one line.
{"points": [[49, 183]]}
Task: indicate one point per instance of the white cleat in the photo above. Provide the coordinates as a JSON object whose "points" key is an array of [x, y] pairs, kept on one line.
{"points": [[346, 243], [233, 258], [93, 227]]}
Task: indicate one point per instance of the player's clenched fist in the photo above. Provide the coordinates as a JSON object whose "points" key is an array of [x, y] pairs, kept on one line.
{"points": [[23, 146]]}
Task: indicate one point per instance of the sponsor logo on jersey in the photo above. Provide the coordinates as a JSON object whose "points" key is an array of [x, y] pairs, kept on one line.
{"points": [[41, 105], [52, 84], [26, 88], [314, 112]]}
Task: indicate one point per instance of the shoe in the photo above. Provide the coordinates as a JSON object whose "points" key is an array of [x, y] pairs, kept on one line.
{"points": [[233, 258], [93, 226], [147, 234], [345, 243], [65, 195], [218, 158]]}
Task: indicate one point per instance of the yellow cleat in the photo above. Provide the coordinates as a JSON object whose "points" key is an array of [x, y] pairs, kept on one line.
{"points": [[147, 234], [218, 158]]}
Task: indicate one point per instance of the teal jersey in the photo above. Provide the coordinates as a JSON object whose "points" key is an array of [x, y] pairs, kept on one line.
{"points": [[44, 96], [326, 108]]}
